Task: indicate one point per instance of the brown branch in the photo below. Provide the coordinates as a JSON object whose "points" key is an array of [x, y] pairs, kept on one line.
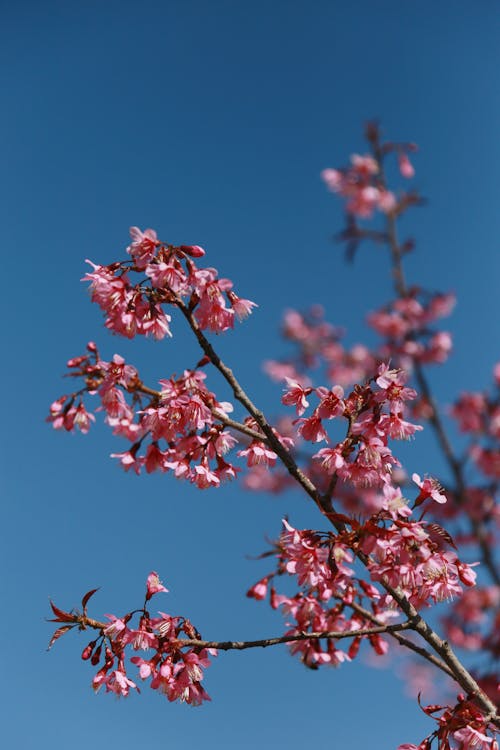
{"points": [[315, 636], [85, 622], [406, 642], [239, 427], [240, 395]]}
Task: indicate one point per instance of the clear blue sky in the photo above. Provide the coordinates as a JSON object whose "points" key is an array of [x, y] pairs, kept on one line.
{"points": [[210, 121]]}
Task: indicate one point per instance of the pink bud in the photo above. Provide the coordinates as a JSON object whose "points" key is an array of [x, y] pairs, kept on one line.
{"points": [[466, 574], [354, 648], [405, 166], [258, 590], [273, 599], [195, 251], [96, 656], [87, 651], [76, 361]]}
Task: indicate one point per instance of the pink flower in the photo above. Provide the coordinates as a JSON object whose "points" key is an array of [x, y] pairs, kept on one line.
{"points": [[116, 627], [428, 488], [332, 404], [331, 458], [169, 275], [295, 395], [365, 165], [258, 453], [405, 166], [472, 739], [241, 307], [394, 502], [143, 245], [311, 429], [154, 585], [204, 477], [129, 461], [259, 590], [470, 412]]}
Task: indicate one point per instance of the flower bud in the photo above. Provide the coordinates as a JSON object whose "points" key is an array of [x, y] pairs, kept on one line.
{"points": [[96, 656], [87, 651], [195, 251]]}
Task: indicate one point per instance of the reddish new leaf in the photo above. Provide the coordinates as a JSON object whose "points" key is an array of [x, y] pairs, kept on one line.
{"points": [[87, 597], [59, 632], [438, 534], [61, 615]]}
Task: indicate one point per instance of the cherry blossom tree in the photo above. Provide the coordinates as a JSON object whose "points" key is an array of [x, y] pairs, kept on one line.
{"points": [[388, 546]]}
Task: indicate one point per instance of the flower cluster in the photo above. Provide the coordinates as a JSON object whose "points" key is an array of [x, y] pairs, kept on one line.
{"points": [[174, 667], [168, 276], [359, 184], [179, 427], [461, 727], [478, 415], [374, 414], [411, 557]]}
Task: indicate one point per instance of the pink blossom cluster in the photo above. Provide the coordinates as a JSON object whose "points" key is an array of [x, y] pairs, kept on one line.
{"points": [[323, 568], [374, 414], [405, 326], [362, 183], [318, 344], [180, 428], [168, 275], [478, 415], [410, 556], [174, 668], [461, 727], [360, 186]]}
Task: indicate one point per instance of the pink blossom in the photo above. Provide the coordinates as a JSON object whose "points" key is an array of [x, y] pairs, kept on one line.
{"points": [[116, 627], [295, 395], [259, 589], [242, 307], [428, 488], [311, 429], [258, 453], [332, 404], [394, 502], [365, 165], [129, 461], [154, 585], [115, 682], [169, 275], [204, 477], [438, 348], [397, 428], [405, 166], [331, 458], [470, 412], [143, 245], [472, 739]]}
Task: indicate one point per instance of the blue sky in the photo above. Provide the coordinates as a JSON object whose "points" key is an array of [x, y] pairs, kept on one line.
{"points": [[210, 121]]}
